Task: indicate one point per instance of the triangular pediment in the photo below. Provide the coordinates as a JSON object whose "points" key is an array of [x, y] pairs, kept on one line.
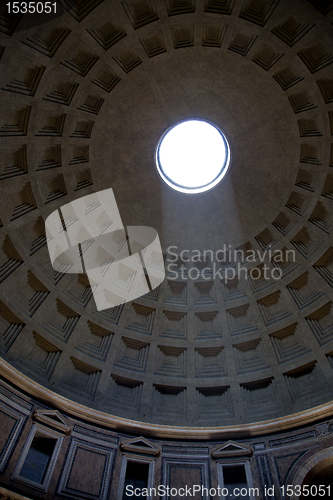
{"points": [[53, 419], [140, 445], [231, 449]]}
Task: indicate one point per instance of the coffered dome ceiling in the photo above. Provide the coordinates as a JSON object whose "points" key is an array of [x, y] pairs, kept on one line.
{"points": [[85, 98]]}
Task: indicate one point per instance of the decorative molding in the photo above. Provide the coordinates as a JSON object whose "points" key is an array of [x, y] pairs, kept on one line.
{"points": [[98, 434], [232, 449], [140, 445], [53, 419], [185, 450], [10, 495]]}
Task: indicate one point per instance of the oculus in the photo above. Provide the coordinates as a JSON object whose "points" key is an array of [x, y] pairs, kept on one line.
{"points": [[193, 156]]}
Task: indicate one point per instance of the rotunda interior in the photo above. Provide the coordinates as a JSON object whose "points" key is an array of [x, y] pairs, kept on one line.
{"points": [[236, 345]]}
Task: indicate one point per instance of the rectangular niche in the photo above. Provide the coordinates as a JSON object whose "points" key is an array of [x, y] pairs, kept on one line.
{"points": [[180, 471], [287, 78], [128, 60], [210, 362], [10, 327], [258, 277], [306, 385], [98, 343], [302, 291], [21, 202], [321, 323], [62, 93], [324, 266], [126, 394], [34, 235], [47, 40], [110, 315], [322, 217], [63, 322], [202, 269], [266, 57], [107, 35], [214, 403], [232, 289], [174, 325], [136, 472], [259, 397], [30, 294], [81, 378], [14, 162], [306, 242], [106, 80], [176, 293], [53, 188], [38, 458], [236, 475], [297, 203], [306, 179], [141, 319], [14, 121], [241, 320], [79, 155], [283, 223], [132, 355], [43, 357], [171, 361], [53, 124], [249, 356], [285, 260], [169, 401], [83, 179], [246, 253], [10, 259], [273, 308], [207, 325], [79, 290], [49, 157], [288, 344], [204, 293], [266, 240]]}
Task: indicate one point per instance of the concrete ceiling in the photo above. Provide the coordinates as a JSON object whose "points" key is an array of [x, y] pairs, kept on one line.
{"points": [[85, 98]]}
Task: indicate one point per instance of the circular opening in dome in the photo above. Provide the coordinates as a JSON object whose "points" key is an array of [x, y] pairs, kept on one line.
{"points": [[193, 156]]}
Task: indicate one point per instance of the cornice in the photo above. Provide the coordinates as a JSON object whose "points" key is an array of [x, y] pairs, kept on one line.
{"points": [[96, 417]]}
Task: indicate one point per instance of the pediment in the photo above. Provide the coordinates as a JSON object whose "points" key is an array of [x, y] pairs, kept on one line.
{"points": [[53, 419], [232, 449], [140, 445]]}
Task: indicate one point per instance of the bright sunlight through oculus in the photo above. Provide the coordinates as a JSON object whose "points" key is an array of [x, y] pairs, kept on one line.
{"points": [[193, 156]]}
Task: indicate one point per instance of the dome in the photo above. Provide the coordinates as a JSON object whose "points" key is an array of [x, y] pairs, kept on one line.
{"points": [[240, 331]]}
